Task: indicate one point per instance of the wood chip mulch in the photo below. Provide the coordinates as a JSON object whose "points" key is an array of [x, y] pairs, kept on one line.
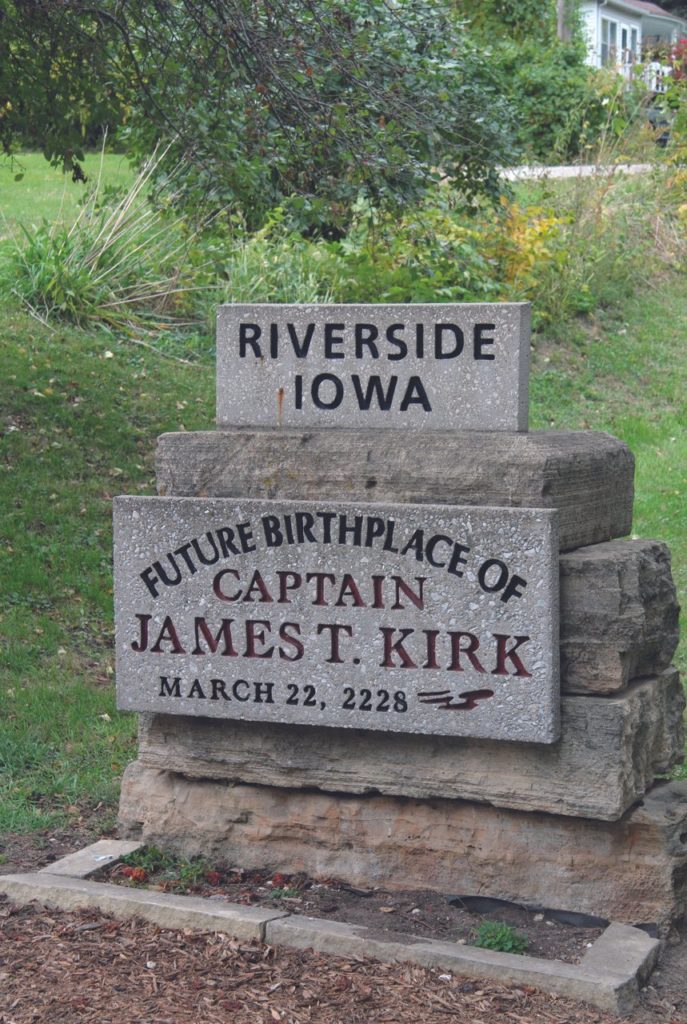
{"points": [[84, 967]]}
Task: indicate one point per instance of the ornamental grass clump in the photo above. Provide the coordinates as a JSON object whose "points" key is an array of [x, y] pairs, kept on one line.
{"points": [[123, 264]]}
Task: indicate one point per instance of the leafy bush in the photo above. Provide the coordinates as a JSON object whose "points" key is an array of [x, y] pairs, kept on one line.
{"points": [[561, 104], [499, 936]]}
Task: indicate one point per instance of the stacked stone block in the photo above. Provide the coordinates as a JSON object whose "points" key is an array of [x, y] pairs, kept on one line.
{"points": [[584, 824]]}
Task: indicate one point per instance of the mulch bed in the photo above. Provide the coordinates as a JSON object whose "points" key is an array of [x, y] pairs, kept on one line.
{"points": [[388, 915], [86, 968]]}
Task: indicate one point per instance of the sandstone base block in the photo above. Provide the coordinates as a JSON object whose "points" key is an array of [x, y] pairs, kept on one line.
{"points": [[587, 476], [610, 750], [632, 871]]}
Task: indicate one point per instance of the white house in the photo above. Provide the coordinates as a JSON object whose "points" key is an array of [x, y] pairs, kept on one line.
{"points": [[621, 33]]}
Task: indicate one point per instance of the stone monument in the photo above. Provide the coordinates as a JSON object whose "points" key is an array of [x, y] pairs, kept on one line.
{"points": [[378, 630]]}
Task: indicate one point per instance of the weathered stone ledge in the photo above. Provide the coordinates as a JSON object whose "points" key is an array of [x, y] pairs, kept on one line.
{"points": [[587, 476], [609, 754]]}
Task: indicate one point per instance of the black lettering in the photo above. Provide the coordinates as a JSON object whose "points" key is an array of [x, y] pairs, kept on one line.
{"points": [[331, 339], [327, 520], [499, 582], [219, 688], [169, 581], [415, 395], [305, 522], [301, 348], [375, 528], [458, 341], [196, 690], [356, 530], [183, 551], [511, 588], [457, 559], [274, 538], [246, 535], [335, 631], [248, 335], [262, 693], [225, 536], [150, 580], [438, 538], [199, 551], [400, 344], [416, 544], [420, 341], [337, 398], [235, 691], [366, 335], [479, 341], [374, 390], [168, 689]]}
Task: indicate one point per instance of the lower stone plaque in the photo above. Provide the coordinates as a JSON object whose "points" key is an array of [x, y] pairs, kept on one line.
{"points": [[404, 618]]}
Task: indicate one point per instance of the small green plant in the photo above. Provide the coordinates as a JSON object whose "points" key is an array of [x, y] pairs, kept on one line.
{"points": [[149, 858], [284, 892], [191, 872], [176, 873], [500, 936]]}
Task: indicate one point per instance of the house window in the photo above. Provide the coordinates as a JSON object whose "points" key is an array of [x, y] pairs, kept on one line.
{"points": [[634, 44], [609, 42]]}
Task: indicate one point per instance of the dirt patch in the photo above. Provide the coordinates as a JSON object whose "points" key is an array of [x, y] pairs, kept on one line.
{"points": [[388, 915], [20, 853]]}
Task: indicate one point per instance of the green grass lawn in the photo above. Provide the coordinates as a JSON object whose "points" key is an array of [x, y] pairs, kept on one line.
{"points": [[79, 414], [45, 192]]}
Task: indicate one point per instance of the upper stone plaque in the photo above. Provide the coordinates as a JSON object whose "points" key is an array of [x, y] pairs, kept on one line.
{"points": [[431, 367]]}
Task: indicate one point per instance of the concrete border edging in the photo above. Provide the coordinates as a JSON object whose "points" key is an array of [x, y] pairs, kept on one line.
{"points": [[162, 908], [608, 976]]}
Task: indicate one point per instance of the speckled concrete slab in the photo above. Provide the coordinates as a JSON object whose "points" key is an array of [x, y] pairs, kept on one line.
{"points": [[411, 619], [435, 366]]}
